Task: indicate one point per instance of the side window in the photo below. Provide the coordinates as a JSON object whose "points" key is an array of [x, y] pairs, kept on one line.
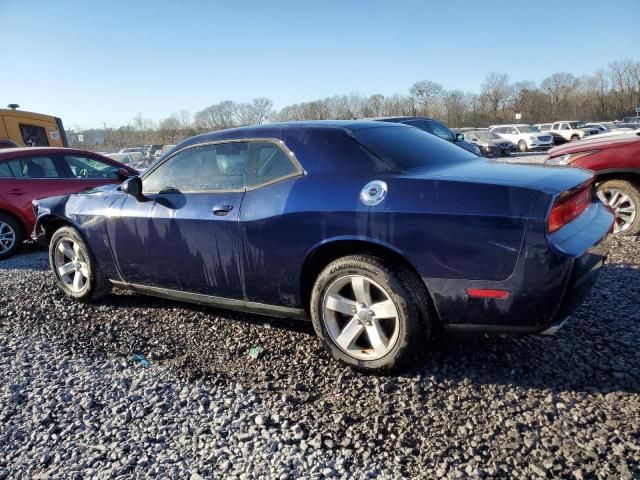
{"points": [[34, 167], [498, 130], [564, 127], [201, 169], [87, 167], [268, 162], [555, 127], [33, 136], [5, 171], [440, 131]]}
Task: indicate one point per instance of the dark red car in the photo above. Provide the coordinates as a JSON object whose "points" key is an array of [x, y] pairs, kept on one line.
{"points": [[27, 174], [616, 163]]}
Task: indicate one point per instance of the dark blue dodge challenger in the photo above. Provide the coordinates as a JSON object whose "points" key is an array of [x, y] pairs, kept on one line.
{"points": [[378, 232]]}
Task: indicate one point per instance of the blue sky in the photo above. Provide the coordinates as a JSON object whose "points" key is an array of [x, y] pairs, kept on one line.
{"points": [[105, 61]]}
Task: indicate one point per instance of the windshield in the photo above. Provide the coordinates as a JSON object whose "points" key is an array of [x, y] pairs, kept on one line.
{"points": [[577, 125], [407, 148], [528, 129]]}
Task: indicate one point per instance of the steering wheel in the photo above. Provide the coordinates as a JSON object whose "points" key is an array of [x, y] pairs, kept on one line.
{"points": [[83, 173]]}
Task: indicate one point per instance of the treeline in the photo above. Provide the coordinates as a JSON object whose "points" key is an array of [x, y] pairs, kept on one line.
{"points": [[609, 93]]}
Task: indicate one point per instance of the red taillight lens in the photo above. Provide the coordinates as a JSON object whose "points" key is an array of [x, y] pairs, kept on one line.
{"points": [[567, 209]]}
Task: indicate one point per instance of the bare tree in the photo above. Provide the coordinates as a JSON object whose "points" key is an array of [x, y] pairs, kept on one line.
{"points": [[496, 91], [425, 93]]}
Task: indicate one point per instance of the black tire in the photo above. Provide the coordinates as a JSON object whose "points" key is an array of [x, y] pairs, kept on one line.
{"points": [[16, 227], [96, 285], [633, 192], [574, 138], [522, 146], [402, 286]]}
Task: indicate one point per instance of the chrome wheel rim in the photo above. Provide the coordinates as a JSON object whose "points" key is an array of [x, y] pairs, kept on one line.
{"points": [[7, 237], [623, 206], [71, 265], [360, 317]]}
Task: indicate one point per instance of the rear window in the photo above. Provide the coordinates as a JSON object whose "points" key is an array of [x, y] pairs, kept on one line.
{"points": [[408, 148], [33, 136]]}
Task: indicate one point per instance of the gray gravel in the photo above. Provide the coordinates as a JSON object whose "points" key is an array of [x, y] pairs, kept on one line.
{"points": [[74, 403]]}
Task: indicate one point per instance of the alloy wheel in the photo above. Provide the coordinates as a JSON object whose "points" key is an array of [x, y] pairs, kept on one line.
{"points": [[71, 265], [623, 207], [360, 317], [7, 237]]}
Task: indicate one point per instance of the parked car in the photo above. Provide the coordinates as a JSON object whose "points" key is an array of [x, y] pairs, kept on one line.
{"points": [[132, 159], [490, 144], [150, 151], [546, 128], [605, 127], [139, 150], [379, 232], [27, 129], [572, 130], [634, 119], [163, 150], [616, 163], [27, 174], [524, 136], [435, 128]]}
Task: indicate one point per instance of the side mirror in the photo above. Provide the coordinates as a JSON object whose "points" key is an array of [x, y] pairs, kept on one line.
{"points": [[123, 173], [132, 186], [459, 137]]}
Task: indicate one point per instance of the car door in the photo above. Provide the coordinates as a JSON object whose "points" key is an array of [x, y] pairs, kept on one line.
{"points": [[182, 232], [32, 177]]}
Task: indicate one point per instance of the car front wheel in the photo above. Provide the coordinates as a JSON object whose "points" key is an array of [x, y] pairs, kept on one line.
{"points": [[74, 267], [522, 146], [624, 198], [370, 314]]}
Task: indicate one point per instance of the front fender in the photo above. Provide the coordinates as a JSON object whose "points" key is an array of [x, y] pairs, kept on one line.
{"points": [[45, 210]]}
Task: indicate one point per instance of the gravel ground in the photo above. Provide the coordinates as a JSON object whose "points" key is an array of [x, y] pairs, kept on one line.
{"points": [[75, 403]]}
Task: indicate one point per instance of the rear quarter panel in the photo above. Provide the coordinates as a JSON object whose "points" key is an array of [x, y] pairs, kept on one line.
{"points": [[446, 229]]}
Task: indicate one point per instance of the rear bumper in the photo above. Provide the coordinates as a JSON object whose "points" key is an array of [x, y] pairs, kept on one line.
{"points": [[553, 276]]}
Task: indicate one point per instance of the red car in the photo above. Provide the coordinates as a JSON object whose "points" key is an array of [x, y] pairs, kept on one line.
{"points": [[616, 163], [27, 174]]}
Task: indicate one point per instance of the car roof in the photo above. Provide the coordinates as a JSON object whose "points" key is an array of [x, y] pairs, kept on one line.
{"points": [[279, 130], [8, 153], [511, 125], [400, 118]]}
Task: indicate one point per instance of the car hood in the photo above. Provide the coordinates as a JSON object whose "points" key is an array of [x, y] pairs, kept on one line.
{"points": [[596, 143], [548, 178]]}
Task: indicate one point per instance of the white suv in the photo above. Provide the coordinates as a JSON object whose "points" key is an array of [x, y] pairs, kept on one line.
{"points": [[572, 131], [524, 136]]}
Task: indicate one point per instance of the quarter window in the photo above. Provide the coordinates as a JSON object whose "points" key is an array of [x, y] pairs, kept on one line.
{"points": [[201, 169], [268, 163]]}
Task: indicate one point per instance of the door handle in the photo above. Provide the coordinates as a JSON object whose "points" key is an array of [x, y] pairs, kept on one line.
{"points": [[222, 210], [16, 191]]}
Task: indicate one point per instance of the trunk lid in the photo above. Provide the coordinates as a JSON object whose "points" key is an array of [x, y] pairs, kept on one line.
{"points": [[547, 178]]}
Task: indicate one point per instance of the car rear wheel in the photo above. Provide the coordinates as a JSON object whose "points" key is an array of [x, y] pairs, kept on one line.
{"points": [[624, 198], [11, 235], [74, 267], [370, 315], [575, 138], [522, 146]]}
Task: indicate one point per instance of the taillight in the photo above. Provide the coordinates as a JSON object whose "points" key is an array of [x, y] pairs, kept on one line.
{"points": [[566, 209]]}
